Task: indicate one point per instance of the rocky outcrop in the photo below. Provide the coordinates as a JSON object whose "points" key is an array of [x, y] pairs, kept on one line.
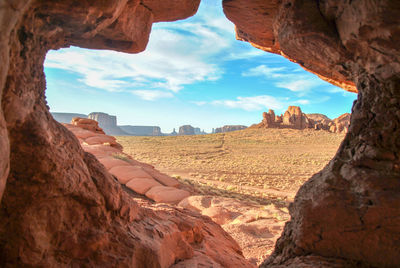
{"points": [[295, 119], [173, 133], [292, 118], [186, 130], [61, 208], [229, 128], [108, 123], [255, 227], [142, 130], [66, 117], [139, 177], [346, 214], [340, 124]]}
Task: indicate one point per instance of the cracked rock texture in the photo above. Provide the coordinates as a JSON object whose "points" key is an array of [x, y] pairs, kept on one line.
{"points": [[59, 206], [347, 214]]}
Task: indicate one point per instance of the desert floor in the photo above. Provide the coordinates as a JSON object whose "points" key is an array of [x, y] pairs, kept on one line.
{"points": [[260, 168], [262, 165]]}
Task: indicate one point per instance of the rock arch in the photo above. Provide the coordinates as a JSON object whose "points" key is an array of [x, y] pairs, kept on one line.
{"points": [[348, 214]]}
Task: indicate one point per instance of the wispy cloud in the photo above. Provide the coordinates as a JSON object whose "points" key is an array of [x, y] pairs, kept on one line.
{"points": [[290, 79], [255, 103], [264, 70], [152, 95], [178, 54], [300, 85], [302, 102]]}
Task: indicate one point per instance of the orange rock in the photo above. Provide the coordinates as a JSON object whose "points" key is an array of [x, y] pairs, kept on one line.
{"points": [[165, 194], [162, 178], [100, 150], [218, 214], [100, 139], [110, 162], [127, 173], [142, 185]]}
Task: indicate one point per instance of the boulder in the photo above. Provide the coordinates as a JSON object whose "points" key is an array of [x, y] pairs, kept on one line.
{"points": [[165, 194], [127, 173], [87, 124], [142, 185]]}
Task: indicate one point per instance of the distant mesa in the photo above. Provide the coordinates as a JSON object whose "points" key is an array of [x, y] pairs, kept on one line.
{"points": [[108, 123], [186, 130], [229, 128], [198, 131], [142, 130], [294, 118]]}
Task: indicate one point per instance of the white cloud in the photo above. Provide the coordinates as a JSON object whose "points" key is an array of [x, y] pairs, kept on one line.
{"points": [[284, 78], [255, 103], [301, 85], [152, 95], [178, 54], [302, 102], [263, 70]]}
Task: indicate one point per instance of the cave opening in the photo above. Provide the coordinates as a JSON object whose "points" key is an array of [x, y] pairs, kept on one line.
{"points": [[61, 208], [177, 76]]}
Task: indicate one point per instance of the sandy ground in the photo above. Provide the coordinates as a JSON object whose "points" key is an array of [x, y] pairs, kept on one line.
{"points": [[262, 169]]}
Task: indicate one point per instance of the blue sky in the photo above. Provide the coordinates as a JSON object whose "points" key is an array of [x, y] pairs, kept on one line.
{"points": [[194, 72]]}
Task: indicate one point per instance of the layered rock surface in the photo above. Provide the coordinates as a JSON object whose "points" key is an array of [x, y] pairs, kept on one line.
{"points": [[139, 177], [61, 208], [346, 214]]}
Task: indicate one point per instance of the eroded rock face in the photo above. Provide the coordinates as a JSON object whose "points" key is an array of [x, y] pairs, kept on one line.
{"points": [[60, 207], [346, 214]]}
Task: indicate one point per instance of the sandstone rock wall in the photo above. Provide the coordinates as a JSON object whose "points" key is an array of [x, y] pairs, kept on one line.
{"points": [[60, 207], [344, 215]]}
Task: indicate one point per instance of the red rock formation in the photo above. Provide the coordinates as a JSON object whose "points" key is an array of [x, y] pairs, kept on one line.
{"points": [[340, 124], [60, 207], [346, 215], [87, 124], [292, 118]]}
